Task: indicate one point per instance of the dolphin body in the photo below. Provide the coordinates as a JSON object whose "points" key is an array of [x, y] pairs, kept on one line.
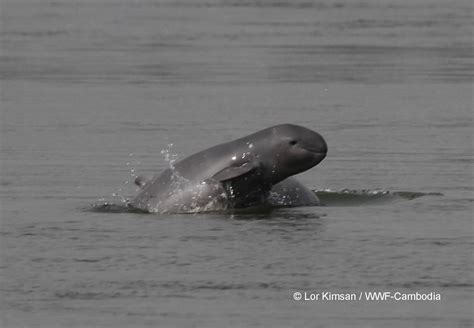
{"points": [[251, 171]]}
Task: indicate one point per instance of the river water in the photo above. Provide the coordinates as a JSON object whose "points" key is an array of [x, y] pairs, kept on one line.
{"points": [[93, 91]]}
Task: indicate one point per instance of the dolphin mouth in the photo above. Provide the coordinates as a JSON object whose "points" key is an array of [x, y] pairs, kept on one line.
{"points": [[320, 150], [319, 156], [317, 153]]}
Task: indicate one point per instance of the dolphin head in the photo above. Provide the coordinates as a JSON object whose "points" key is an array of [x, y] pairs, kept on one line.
{"points": [[292, 150]]}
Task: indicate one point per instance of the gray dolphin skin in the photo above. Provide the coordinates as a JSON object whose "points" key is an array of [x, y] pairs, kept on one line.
{"points": [[251, 171]]}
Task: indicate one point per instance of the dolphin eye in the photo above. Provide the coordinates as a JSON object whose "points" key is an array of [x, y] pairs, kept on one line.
{"points": [[293, 142]]}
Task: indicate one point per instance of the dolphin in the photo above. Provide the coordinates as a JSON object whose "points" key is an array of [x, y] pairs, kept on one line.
{"points": [[251, 171]]}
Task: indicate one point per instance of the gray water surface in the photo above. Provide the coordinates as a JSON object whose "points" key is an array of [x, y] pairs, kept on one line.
{"points": [[93, 91]]}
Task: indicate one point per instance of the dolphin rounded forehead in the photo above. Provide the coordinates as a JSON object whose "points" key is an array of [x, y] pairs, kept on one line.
{"points": [[296, 131], [293, 128], [285, 128], [282, 130]]}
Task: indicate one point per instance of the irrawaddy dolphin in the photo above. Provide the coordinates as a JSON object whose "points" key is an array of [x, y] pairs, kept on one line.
{"points": [[251, 171]]}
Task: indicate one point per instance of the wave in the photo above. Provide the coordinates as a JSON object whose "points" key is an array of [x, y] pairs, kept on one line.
{"points": [[351, 197], [328, 197]]}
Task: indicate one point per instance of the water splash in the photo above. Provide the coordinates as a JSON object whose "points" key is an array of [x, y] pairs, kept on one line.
{"points": [[118, 195], [177, 180], [280, 199], [133, 164], [184, 195], [170, 157]]}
